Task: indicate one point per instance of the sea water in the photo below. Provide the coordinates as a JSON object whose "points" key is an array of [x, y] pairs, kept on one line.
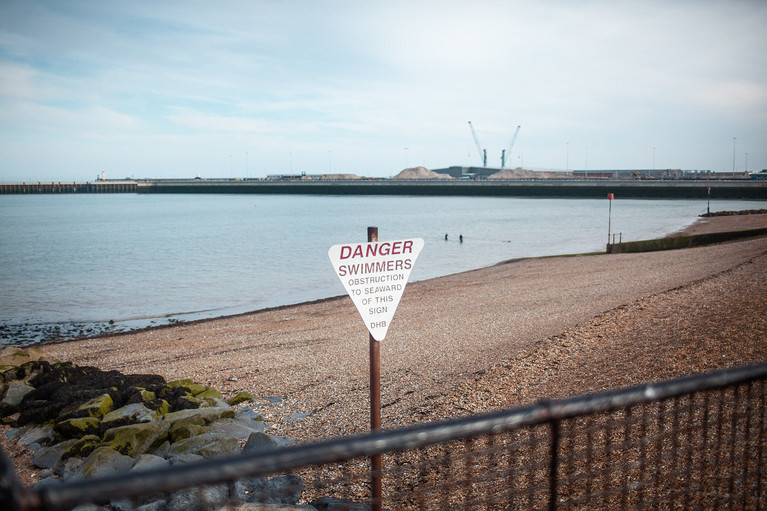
{"points": [[75, 265]]}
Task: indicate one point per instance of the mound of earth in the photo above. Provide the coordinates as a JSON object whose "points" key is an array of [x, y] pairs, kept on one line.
{"points": [[420, 173], [520, 173]]}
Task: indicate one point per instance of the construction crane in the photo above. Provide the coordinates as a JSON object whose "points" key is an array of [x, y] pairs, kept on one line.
{"points": [[482, 152], [508, 151]]}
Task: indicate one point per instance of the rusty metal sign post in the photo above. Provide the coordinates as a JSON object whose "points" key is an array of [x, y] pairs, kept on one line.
{"points": [[375, 274], [376, 461]]}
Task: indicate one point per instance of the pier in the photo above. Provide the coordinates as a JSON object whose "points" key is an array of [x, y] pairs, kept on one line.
{"points": [[59, 187], [552, 188]]}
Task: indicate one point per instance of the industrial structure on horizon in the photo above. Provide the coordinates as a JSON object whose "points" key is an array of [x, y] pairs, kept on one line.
{"points": [[463, 172], [504, 152]]}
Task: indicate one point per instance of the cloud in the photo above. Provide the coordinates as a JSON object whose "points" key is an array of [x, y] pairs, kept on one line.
{"points": [[216, 123], [733, 95], [365, 80]]}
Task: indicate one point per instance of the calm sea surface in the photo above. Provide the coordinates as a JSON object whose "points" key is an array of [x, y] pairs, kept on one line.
{"points": [[73, 265]]}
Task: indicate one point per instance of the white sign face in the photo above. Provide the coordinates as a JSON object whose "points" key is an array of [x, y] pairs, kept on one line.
{"points": [[375, 275]]}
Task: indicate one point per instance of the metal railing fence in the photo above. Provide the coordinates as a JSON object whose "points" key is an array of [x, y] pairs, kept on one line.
{"points": [[691, 443]]}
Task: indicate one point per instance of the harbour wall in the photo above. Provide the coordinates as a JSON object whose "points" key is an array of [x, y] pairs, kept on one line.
{"points": [[554, 188], [59, 187]]}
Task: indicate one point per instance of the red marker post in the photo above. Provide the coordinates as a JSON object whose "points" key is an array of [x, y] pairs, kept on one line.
{"points": [[610, 198]]}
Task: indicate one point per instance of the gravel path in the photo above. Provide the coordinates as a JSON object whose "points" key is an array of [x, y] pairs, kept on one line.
{"points": [[498, 336]]}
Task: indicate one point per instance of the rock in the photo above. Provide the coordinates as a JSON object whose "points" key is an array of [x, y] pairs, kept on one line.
{"points": [[186, 458], [192, 387], [38, 411], [149, 462], [249, 413], [183, 430], [240, 397], [240, 429], [102, 462], [157, 505], [89, 507], [207, 497], [187, 419], [86, 401], [248, 489], [331, 504], [69, 468], [208, 415], [283, 490], [218, 402], [96, 407], [48, 457], [11, 356], [209, 393], [15, 393], [209, 445], [48, 481], [25, 372], [136, 439], [82, 448], [121, 504], [254, 506], [148, 398], [76, 428], [162, 450], [258, 442], [134, 413], [36, 434], [191, 402], [16, 433]]}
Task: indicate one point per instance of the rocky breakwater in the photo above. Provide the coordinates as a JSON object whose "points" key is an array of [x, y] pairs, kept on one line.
{"points": [[82, 422]]}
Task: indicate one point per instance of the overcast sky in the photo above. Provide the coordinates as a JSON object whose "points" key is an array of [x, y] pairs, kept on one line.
{"points": [[251, 88]]}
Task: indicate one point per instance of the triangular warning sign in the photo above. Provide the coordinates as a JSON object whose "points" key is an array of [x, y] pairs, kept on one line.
{"points": [[375, 275]]}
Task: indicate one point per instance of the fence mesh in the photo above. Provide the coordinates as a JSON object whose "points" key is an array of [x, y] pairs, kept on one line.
{"points": [[694, 443]]}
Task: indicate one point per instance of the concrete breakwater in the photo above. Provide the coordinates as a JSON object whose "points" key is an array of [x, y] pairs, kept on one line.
{"points": [[552, 188], [59, 187]]}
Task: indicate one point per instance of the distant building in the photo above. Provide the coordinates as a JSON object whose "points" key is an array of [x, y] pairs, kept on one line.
{"points": [[468, 172], [633, 173], [486, 172]]}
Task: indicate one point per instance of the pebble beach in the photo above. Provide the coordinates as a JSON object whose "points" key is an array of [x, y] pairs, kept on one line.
{"points": [[496, 337]]}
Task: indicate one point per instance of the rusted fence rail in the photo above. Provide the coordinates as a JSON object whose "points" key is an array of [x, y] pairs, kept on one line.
{"points": [[697, 442]]}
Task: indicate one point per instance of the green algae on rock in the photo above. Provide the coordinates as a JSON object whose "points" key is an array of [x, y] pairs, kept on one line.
{"points": [[78, 427], [240, 397], [137, 439]]}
